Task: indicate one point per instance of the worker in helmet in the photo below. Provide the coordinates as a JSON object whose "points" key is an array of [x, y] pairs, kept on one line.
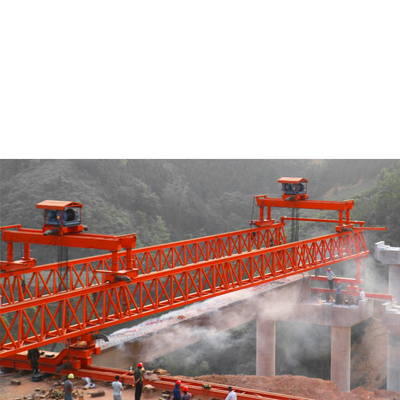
{"points": [[330, 276], [186, 395], [362, 294], [68, 388], [231, 394], [138, 380], [177, 390]]}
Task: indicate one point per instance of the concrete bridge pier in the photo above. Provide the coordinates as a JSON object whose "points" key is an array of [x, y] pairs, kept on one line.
{"points": [[265, 349], [393, 362], [341, 357], [391, 316], [340, 319]]}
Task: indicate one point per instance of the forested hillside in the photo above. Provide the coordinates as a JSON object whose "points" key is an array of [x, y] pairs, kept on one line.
{"points": [[169, 200]]}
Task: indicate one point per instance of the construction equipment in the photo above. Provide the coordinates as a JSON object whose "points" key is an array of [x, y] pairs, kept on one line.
{"points": [[294, 188], [61, 217], [48, 304]]}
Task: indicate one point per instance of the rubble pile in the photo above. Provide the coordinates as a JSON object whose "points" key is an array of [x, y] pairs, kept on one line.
{"points": [[19, 386]]}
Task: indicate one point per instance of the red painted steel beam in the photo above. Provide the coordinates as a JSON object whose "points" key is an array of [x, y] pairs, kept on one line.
{"points": [[264, 201], [340, 279], [376, 296], [361, 223], [97, 306], [97, 373], [171, 255], [217, 390], [333, 221], [82, 240], [41, 282], [57, 277]]}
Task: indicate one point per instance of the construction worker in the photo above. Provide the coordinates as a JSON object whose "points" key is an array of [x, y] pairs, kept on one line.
{"points": [[138, 380], [177, 390], [33, 357], [362, 294], [68, 388], [186, 395], [338, 293], [330, 276], [117, 387], [231, 394]]}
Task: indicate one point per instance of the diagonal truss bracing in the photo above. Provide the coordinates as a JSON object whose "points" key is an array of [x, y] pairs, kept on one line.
{"points": [[38, 310], [157, 258]]}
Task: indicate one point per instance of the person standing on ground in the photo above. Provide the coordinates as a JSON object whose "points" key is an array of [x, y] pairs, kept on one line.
{"points": [[362, 294], [177, 391], [138, 379], [68, 388], [186, 395], [33, 357], [339, 294], [330, 276], [231, 394], [117, 386]]}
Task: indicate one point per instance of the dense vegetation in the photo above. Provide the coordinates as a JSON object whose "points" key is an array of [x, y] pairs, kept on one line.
{"points": [[169, 200]]}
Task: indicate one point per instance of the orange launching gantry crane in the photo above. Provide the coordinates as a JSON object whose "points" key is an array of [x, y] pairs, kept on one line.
{"points": [[295, 196], [63, 227], [72, 301]]}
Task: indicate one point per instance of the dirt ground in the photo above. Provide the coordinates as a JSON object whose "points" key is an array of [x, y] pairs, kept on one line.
{"points": [[28, 389], [310, 388], [369, 357], [287, 384]]}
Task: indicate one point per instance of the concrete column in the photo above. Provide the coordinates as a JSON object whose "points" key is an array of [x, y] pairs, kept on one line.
{"points": [[393, 350], [393, 364], [394, 281], [391, 256], [340, 357], [265, 357]]}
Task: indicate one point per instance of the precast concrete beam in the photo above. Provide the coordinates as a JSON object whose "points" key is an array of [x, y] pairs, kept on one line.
{"points": [[275, 303], [387, 254], [391, 317], [391, 256]]}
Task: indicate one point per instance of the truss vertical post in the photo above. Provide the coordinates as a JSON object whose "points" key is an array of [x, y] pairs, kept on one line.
{"points": [[10, 252]]}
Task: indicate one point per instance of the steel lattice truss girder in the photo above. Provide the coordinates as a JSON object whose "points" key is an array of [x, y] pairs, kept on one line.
{"points": [[38, 314], [57, 278], [157, 258]]}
